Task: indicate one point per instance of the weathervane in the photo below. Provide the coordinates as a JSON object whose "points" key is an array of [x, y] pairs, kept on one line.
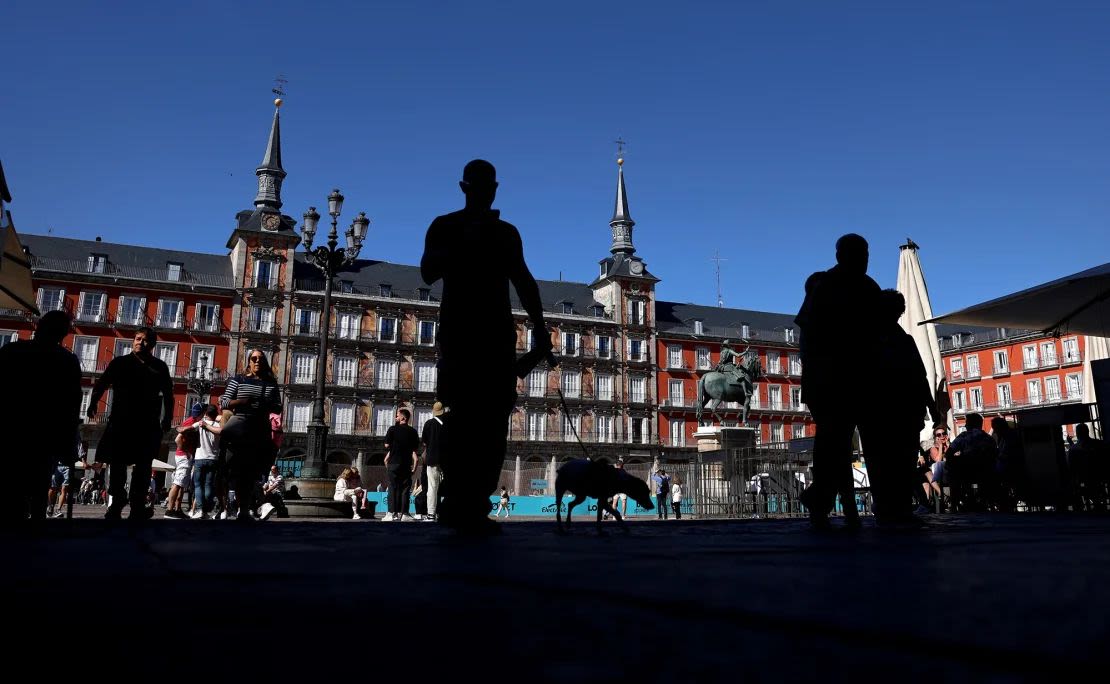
{"points": [[620, 150]]}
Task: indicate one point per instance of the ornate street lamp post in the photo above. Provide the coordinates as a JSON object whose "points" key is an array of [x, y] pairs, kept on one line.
{"points": [[201, 379], [330, 259]]}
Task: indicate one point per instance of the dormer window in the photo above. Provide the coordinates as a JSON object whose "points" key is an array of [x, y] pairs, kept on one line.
{"points": [[745, 331], [598, 311], [98, 263], [957, 338], [385, 290], [699, 328], [788, 334], [173, 271], [567, 307], [346, 286], [602, 274], [424, 294]]}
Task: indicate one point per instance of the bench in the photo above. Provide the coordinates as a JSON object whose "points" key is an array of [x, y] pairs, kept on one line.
{"points": [[326, 508]]}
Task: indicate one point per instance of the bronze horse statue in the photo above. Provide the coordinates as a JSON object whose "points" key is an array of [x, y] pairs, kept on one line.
{"points": [[716, 387]]}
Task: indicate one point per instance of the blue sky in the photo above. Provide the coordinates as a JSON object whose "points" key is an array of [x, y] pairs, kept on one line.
{"points": [[979, 129]]}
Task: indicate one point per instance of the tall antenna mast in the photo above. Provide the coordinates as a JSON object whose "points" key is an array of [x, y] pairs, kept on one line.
{"points": [[717, 260]]}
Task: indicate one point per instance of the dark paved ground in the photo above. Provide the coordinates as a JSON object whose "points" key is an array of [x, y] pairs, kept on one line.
{"points": [[1002, 598]]}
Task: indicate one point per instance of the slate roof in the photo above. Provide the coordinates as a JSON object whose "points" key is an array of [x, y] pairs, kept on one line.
{"points": [[720, 322]]}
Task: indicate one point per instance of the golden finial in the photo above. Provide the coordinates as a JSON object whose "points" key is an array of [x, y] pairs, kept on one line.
{"points": [[278, 102]]}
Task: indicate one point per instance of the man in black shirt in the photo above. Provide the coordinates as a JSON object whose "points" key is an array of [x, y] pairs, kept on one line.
{"points": [[401, 444], [433, 441], [142, 409]]}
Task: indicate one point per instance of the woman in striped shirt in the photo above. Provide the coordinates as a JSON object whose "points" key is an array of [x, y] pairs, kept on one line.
{"points": [[252, 395]]}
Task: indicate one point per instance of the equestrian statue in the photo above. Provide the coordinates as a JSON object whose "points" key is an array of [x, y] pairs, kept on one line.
{"points": [[733, 380]]}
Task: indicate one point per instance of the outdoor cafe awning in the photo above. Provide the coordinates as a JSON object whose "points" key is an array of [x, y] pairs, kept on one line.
{"points": [[1079, 303]]}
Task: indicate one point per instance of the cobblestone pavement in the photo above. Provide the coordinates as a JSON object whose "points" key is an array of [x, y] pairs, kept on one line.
{"points": [[968, 598]]}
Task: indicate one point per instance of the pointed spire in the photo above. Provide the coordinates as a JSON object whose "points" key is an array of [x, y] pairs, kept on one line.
{"points": [[621, 223], [269, 172]]}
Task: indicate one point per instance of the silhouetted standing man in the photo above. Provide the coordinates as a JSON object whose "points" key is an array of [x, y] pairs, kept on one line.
{"points": [[39, 414], [142, 408], [838, 328], [477, 255]]}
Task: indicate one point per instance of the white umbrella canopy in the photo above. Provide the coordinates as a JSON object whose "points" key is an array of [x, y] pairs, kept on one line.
{"points": [[1078, 303], [911, 283]]}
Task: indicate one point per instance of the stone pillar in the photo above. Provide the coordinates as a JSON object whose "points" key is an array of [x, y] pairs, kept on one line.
{"points": [[551, 476], [516, 478]]}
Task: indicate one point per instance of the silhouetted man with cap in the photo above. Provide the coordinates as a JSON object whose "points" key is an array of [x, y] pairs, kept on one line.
{"points": [[39, 414], [838, 328], [477, 255]]}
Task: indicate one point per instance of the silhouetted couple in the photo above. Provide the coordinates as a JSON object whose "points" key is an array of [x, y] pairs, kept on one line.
{"points": [[478, 256], [846, 321]]}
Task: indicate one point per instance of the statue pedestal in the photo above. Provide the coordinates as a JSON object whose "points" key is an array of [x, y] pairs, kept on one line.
{"points": [[713, 438]]}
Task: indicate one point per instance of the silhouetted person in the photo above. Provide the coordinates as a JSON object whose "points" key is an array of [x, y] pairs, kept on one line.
{"points": [[971, 460], [142, 409], [838, 326], [1012, 473], [898, 416], [477, 255], [39, 414]]}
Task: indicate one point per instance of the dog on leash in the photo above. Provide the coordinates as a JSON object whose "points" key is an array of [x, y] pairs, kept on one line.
{"points": [[601, 481]]}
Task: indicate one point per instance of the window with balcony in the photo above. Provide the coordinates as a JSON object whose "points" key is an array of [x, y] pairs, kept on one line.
{"points": [[973, 366], [701, 355], [678, 432], [537, 383], [959, 401], [8, 336], [674, 356], [342, 418], [1033, 391], [798, 431], [304, 368], [774, 363], [1071, 350], [796, 398], [86, 349], [572, 425], [90, 308], [387, 375], [298, 415], [171, 313], [755, 396], [261, 319], [1075, 385], [173, 271], [265, 274], [202, 358], [427, 333], [572, 384], [777, 435], [425, 373], [604, 346], [774, 397], [121, 348], [1001, 361], [387, 329], [1004, 398], [674, 393], [131, 310], [957, 366], [98, 263], [51, 299], [1048, 353], [636, 350], [347, 324], [346, 370], [636, 309], [167, 352], [536, 425], [421, 415], [604, 425], [1052, 388], [604, 387], [306, 322], [206, 317], [570, 344], [976, 394], [637, 390], [795, 365], [1029, 357], [639, 430], [86, 399], [383, 419]]}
